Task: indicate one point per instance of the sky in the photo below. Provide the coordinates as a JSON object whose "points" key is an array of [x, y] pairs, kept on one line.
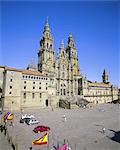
{"points": [[93, 24]]}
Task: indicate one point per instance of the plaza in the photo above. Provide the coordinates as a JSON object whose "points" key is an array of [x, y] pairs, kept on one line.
{"points": [[82, 129]]}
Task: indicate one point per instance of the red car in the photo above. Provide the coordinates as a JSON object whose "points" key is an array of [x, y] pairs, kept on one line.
{"points": [[41, 129]]}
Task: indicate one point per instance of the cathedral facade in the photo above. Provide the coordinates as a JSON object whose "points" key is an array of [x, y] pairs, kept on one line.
{"points": [[52, 80]]}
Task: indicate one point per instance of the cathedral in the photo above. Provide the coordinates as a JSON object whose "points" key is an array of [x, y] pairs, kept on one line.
{"points": [[54, 82]]}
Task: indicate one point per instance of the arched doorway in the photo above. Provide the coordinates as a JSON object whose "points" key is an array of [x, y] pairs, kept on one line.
{"points": [[46, 102]]}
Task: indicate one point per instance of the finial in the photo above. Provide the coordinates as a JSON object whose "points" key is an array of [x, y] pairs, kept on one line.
{"points": [[47, 24], [62, 44], [104, 72], [70, 35]]}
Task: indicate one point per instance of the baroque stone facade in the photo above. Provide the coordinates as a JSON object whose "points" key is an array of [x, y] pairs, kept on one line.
{"points": [[52, 80]]}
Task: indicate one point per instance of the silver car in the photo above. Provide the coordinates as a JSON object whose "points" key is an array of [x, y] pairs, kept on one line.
{"points": [[32, 121]]}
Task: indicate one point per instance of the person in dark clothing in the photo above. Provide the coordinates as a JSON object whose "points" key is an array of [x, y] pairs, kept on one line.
{"points": [[31, 148], [1, 128], [13, 146]]}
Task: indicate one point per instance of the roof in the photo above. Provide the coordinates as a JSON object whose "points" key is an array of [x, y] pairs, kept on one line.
{"points": [[24, 71], [2, 66], [33, 72], [99, 84]]}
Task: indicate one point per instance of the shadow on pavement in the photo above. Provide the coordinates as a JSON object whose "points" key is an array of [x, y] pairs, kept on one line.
{"points": [[116, 136]]}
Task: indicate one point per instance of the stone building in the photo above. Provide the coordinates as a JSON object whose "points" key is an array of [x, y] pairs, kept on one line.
{"points": [[99, 92], [52, 80], [26, 88]]}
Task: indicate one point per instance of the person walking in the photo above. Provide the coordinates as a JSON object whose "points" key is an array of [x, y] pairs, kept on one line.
{"points": [[103, 130]]}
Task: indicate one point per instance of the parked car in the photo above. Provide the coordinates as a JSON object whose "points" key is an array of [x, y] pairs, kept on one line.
{"points": [[41, 129], [32, 121], [27, 116], [24, 120]]}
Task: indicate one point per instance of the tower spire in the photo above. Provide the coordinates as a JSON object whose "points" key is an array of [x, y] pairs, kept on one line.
{"points": [[105, 77], [47, 24], [62, 44], [46, 27], [70, 40]]}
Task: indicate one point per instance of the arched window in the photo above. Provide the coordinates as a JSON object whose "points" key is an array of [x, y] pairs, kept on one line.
{"points": [[47, 45], [50, 46], [64, 92], [63, 54], [61, 91]]}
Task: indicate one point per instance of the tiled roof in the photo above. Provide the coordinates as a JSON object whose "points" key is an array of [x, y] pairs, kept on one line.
{"points": [[32, 72], [24, 71], [99, 84]]}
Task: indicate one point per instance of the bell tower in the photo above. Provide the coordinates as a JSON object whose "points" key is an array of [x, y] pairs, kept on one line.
{"points": [[72, 55], [105, 77], [46, 51]]}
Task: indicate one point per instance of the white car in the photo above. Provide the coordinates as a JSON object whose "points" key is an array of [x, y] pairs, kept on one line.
{"points": [[27, 116], [32, 121]]}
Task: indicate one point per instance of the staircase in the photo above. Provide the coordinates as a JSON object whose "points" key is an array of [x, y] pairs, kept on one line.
{"points": [[73, 102]]}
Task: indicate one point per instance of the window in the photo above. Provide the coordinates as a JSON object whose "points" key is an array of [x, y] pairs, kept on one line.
{"points": [[40, 87], [40, 95], [61, 91], [33, 82], [46, 83], [33, 87], [63, 54], [10, 92], [33, 95], [46, 88], [24, 95], [47, 45], [64, 92], [50, 46], [24, 81], [24, 87], [10, 87], [11, 80]]}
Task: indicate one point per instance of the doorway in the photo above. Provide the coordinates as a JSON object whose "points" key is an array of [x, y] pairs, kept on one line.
{"points": [[46, 102]]}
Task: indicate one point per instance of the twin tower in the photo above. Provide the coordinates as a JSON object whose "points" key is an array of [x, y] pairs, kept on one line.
{"points": [[64, 70], [46, 52]]}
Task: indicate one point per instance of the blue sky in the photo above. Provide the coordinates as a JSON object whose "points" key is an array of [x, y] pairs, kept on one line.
{"points": [[94, 25]]}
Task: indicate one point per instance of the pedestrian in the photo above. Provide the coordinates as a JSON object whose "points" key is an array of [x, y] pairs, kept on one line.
{"points": [[1, 128], [4, 127], [64, 118], [103, 130], [13, 146], [31, 148]]}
